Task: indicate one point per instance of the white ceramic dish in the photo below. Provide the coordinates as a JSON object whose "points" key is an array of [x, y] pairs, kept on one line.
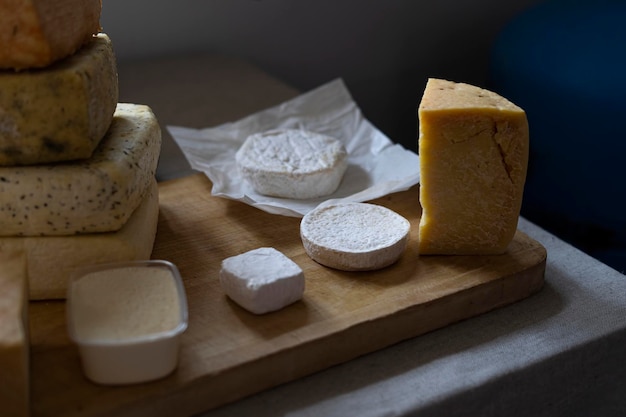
{"points": [[126, 319]]}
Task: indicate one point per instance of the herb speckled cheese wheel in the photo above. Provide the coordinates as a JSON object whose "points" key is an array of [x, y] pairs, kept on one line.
{"points": [[93, 195], [59, 113], [292, 163], [36, 33], [354, 236], [51, 259]]}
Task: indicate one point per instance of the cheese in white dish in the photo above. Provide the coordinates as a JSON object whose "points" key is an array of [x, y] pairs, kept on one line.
{"points": [[51, 259], [61, 112], [292, 163], [94, 195], [354, 236], [126, 320], [262, 280]]}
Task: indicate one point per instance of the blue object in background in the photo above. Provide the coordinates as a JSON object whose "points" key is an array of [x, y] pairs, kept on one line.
{"points": [[564, 62]]}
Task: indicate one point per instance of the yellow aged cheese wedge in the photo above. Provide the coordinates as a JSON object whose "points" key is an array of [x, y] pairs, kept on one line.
{"points": [[14, 343], [473, 150], [93, 195], [59, 113], [35, 33], [51, 259]]}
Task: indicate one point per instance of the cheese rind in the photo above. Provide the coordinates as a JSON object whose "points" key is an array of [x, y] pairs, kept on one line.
{"points": [[262, 280], [473, 150], [93, 195], [59, 113], [51, 259], [36, 33], [292, 163], [14, 341], [354, 236]]}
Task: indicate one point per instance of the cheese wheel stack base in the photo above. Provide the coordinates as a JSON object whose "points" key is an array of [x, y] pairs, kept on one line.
{"points": [[51, 259], [14, 342]]}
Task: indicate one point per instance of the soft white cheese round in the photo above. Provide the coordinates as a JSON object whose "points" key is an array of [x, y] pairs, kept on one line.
{"points": [[262, 280], [292, 163], [354, 236]]}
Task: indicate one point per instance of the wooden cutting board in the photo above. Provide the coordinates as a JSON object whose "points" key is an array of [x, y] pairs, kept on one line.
{"points": [[228, 353]]}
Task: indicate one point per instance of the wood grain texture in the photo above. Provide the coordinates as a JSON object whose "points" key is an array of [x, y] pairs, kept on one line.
{"points": [[228, 353]]}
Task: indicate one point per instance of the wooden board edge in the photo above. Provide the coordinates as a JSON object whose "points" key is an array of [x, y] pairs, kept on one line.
{"points": [[288, 365]]}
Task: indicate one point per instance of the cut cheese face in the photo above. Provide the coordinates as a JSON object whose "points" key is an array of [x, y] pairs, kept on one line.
{"points": [[473, 150], [51, 259], [94, 195], [59, 113], [14, 342], [36, 33], [292, 163]]}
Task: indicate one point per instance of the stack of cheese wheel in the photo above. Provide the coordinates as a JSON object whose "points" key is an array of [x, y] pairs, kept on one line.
{"points": [[77, 168]]}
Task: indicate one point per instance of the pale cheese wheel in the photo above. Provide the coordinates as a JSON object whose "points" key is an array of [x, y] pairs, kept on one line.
{"points": [[59, 113], [36, 33], [292, 163], [354, 236]]}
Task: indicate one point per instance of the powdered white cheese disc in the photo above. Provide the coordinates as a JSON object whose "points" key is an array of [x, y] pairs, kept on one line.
{"points": [[262, 280], [292, 163], [354, 236]]}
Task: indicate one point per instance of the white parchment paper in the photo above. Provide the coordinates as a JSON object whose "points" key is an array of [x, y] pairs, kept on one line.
{"points": [[376, 166]]}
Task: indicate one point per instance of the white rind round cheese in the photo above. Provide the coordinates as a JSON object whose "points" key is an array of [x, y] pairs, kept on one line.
{"points": [[354, 236], [292, 163], [262, 280]]}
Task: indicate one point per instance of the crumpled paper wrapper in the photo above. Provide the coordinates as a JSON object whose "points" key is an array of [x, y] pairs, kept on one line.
{"points": [[376, 166]]}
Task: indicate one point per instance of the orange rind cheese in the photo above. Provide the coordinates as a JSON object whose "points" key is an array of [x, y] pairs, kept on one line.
{"points": [[36, 33]]}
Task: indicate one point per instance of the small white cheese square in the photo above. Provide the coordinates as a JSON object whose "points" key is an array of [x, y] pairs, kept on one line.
{"points": [[262, 280]]}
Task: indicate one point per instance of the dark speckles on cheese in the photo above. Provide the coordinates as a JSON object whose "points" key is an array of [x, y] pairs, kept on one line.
{"points": [[62, 112], [94, 195]]}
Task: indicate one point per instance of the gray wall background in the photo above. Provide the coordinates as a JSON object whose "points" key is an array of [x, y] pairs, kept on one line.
{"points": [[383, 49]]}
